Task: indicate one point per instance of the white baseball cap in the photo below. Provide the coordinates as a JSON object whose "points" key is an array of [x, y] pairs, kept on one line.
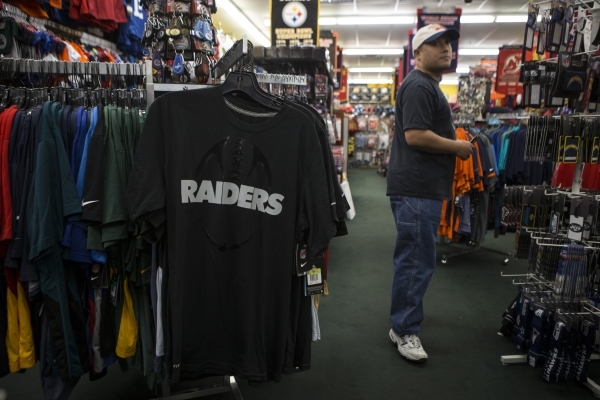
{"points": [[431, 33]]}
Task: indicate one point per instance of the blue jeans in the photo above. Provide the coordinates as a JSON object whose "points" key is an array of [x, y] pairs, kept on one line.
{"points": [[417, 222]]}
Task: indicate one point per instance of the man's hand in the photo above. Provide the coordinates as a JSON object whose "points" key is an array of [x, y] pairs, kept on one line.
{"points": [[463, 149]]}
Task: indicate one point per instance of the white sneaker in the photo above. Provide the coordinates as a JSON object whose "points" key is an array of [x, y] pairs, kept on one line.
{"points": [[409, 347]]}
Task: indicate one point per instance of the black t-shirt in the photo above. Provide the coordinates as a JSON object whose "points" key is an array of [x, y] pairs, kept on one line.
{"points": [[420, 104], [233, 188]]}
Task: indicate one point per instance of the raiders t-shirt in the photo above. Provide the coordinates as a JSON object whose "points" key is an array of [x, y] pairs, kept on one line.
{"points": [[234, 184]]}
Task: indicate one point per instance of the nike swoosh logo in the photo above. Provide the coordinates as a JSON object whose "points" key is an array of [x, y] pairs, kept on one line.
{"points": [[94, 277], [304, 264], [85, 203]]}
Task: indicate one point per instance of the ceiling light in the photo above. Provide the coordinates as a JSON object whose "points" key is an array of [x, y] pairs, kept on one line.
{"points": [[477, 19], [449, 82], [367, 81], [462, 70], [267, 22], [511, 18], [373, 52], [397, 20], [242, 20], [328, 21], [478, 52], [374, 70]]}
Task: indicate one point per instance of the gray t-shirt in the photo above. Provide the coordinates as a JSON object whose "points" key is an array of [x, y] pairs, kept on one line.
{"points": [[420, 104]]}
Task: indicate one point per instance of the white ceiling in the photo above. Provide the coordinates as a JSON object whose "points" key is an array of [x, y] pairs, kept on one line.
{"points": [[480, 35]]}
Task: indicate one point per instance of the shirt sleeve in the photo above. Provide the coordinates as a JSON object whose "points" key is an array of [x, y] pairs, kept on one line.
{"points": [[146, 192], [317, 209], [418, 107]]}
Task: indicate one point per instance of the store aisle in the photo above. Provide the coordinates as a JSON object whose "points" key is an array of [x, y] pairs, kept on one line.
{"points": [[355, 359]]}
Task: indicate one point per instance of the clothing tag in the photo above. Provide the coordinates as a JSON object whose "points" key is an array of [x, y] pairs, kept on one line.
{"points": [[554, 221], [314, 282], [571, 149], [303, 264], [114, 290], [95, 278], [587, 227], [528, 216], [575, 228], [314, 277]]}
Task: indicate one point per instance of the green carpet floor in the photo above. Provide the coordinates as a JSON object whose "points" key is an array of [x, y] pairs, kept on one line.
{"points": [[355, 359]]}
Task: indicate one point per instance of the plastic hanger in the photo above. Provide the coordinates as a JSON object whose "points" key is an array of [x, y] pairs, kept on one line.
{"points": [[245, 82]]}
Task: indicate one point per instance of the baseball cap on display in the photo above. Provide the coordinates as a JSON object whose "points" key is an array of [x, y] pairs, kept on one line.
{"points": [[431, 33]]}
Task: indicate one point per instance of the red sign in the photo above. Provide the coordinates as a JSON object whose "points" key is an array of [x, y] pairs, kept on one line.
{"points": [[509, 70], [343, 90]]}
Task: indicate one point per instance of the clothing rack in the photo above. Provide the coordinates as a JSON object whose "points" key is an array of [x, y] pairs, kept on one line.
{"points": [[522, 358], [575, 190], [241, 49], [83, 37], [466, 120]]}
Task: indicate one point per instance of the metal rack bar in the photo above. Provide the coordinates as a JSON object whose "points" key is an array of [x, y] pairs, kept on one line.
{"points": [[522, 359], [68, 67], [229, 385], [461, 252]]}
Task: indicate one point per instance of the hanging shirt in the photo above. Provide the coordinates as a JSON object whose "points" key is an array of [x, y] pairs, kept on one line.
{"points": [[236, 185]]}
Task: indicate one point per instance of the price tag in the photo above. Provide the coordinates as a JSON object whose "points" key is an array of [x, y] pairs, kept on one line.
{"points": [[314, 282], [313, 277], [575, 228]]}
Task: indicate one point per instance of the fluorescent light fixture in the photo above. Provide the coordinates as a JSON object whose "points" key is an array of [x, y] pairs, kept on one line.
{"points": [[478, 52], [243, 21], [462, 70], [328, 21], [477, 19], [385, 20], [373, 70], [373, 52], [449, 82], [367, 81], [511, 18], [267, 22]]}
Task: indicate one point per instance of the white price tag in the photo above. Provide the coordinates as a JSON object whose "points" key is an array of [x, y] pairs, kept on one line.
{"points": [[313, 277]]}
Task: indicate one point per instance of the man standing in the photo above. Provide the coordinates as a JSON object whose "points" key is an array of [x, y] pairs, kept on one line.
{"points": [[419, 177]]}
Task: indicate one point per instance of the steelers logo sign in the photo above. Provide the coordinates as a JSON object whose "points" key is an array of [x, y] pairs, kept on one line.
{"points": [[294, 14]]}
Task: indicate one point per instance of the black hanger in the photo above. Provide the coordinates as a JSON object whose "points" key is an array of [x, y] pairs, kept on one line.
{"points": [[245, 82]]}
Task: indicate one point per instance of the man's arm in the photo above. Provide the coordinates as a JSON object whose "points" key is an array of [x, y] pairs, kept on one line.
{"points": [[427, 140]]}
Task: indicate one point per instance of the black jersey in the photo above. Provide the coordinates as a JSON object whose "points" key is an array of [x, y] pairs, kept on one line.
{"points": [[234, 190]]}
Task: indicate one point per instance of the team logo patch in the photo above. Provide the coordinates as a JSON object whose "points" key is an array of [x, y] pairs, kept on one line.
{"points": [[232, 186], [557, 329], [575, 228], [575, 80], [294, 14], [303, 254], [534, 335], [512, 65]]}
